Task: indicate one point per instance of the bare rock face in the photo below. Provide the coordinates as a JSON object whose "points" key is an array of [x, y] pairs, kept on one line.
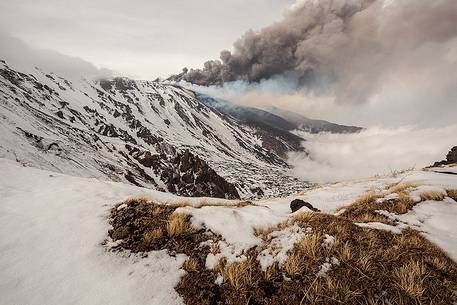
{"points": [[191, 176], [185, 174]]}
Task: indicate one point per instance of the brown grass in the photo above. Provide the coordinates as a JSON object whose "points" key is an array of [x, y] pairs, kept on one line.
{"points": [[410, 279], [190, 265], [303, 216], [345, 252], [294, 265], [153, 235], [401, 187], [240, 275], [136, 199], [178, 225], [272, 273], [143, 225], [376, 267], [368, 198], [364, 209], [403, 204], [452, 194], [435, 196], [310, 244], [365, 262], [215, 248], [370, 217]]}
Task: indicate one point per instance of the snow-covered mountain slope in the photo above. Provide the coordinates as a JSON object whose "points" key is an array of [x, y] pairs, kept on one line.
{"points": [[275, 126], [273, 130], [146, 133], [310, 125], [55, 251]]}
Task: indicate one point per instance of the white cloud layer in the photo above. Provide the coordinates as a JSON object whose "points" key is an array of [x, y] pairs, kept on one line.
{"points": [[24, 57], [374, 151]]}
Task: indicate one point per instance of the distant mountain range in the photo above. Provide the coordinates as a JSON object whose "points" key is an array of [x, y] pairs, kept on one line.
{"points": [[275, 124], [148, 133]]}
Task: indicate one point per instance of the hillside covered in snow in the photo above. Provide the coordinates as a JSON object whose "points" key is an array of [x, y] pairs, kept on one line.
{"points": [[145, 133], [64, 240]]}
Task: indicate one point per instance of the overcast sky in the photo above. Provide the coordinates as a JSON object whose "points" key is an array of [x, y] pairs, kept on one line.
{"points": [[140, 38]]}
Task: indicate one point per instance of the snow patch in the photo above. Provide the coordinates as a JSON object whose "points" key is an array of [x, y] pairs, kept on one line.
{"points": [[380, 226], [280, 243]]}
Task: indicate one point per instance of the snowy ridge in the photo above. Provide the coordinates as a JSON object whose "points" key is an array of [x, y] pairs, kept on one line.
{"points": [[130, 131]]}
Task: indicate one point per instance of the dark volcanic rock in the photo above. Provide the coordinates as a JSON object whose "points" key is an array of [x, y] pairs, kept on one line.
{"points": [[452, 155], [192, 176], [185, 174], [297, 204], [450, 158]]}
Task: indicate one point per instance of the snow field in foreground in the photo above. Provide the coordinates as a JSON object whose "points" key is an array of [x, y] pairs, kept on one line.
{"points": [[52, 227]]}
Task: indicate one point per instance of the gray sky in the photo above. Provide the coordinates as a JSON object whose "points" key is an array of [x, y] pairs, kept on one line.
{"points": [[140, 38]]}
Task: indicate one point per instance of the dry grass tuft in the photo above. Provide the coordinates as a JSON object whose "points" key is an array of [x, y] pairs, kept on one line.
{"points": [[272, 273], [365, 262], [452, 194], [410, 279], [440, 263], [371, 217], [435, 196], [240, 275], [144, 226], [178, 225], [401, 187], [403, 204], [345, 252], [294, 265], [368, 198], [215, 248], [153, 235], [190, 265], [364, 209], [304, 216], [339, 290], [310, 244]]}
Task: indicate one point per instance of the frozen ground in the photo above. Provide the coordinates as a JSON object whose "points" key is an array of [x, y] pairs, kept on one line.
{"points": [[51, 230], [52, 227]]}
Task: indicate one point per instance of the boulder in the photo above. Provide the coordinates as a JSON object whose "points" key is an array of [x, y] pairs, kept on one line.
{"points": [[297, 204], [450, 158], [452, 155]]}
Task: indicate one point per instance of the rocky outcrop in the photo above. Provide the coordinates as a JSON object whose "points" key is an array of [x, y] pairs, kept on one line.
{"points": [[191, 176], [451, 157], [184, 173]]}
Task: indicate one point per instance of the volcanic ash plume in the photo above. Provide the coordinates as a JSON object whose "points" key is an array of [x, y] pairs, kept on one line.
{"points": [[345, 46]]}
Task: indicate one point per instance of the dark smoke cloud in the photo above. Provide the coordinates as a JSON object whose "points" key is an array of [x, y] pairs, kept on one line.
{"points": [[343, 46]]}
